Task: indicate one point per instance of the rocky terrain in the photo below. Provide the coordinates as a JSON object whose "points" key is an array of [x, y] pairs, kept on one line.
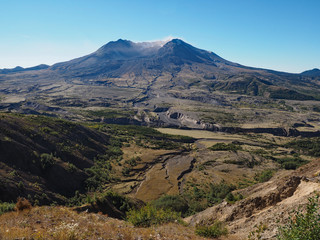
{"points": [[268, 204]]}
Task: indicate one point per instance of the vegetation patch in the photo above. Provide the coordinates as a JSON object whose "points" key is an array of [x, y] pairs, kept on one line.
{"points": [[174, 202], [291, 163], [214, 231], [225, 147], [144, 136], [6, 207], [150, 215], [111, 113], [46, 161], [264, 176], [303, 224], [310, 146], [199, 199]]}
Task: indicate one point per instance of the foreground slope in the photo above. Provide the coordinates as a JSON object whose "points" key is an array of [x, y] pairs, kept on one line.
{"points": [[268, 204], [62, 223]]}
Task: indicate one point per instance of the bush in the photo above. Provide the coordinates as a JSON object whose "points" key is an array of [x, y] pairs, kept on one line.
{"points": [[303, 225], [256, 234], [122, 203], [264, 176], [6, 207], [71, 168], [225, 147], [150, 215], [22, 204], [219, 191], [230, 198], [174, 202], [310, 146], [291, 163], [46, 160], [213, 231]]}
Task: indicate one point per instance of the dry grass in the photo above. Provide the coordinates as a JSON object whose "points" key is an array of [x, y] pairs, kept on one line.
{"points": [[62, 223], [23, 204], [198, 134]]}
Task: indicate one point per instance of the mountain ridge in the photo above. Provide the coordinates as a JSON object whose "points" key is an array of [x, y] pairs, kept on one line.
{"points": [[153, 46]]}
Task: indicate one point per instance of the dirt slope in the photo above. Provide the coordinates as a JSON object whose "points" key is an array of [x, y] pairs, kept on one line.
{"points": [[266, 203]]}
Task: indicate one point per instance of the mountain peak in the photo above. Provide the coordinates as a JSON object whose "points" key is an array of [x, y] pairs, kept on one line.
{"points": [[177, 41], [116, 44], [183, 51]]}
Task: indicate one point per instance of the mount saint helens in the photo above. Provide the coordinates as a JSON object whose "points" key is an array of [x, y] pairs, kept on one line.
{"points": [[164, 84]]}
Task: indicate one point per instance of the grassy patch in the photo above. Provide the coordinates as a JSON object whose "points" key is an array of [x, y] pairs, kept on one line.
{"points": [[213, 231], [291, 163], [144, 136], [6, 207], [174, 202], [199, 199], [150, 215], [264, 176], [225, 147], [110, 113], [309, 146]]}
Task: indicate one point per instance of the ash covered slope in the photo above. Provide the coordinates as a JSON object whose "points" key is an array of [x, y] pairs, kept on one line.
{"points": [[161, 66]]}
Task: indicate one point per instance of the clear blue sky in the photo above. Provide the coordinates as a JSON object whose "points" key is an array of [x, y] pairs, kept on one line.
{"points": [[275, 34]]}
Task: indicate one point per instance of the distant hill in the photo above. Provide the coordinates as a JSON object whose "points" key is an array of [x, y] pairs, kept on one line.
{"points": [[312, 73], [21, 69]]}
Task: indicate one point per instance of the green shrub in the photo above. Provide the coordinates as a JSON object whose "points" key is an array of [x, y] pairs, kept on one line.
{"points": [[6, 207], [121, 202], [303, 224], [99, 173], [256, 234], [291, 163], [231, 198], [174, 202], [264, 176], [225, 147], [21, 185], [132, 162], [46, 160], [71, 168], [310, 146], [150, 215], [218, 192], [213, 231]]}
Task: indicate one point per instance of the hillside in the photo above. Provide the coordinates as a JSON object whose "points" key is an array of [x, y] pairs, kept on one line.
{"points": [[268, 204], [45, 157], [51, 160]]}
